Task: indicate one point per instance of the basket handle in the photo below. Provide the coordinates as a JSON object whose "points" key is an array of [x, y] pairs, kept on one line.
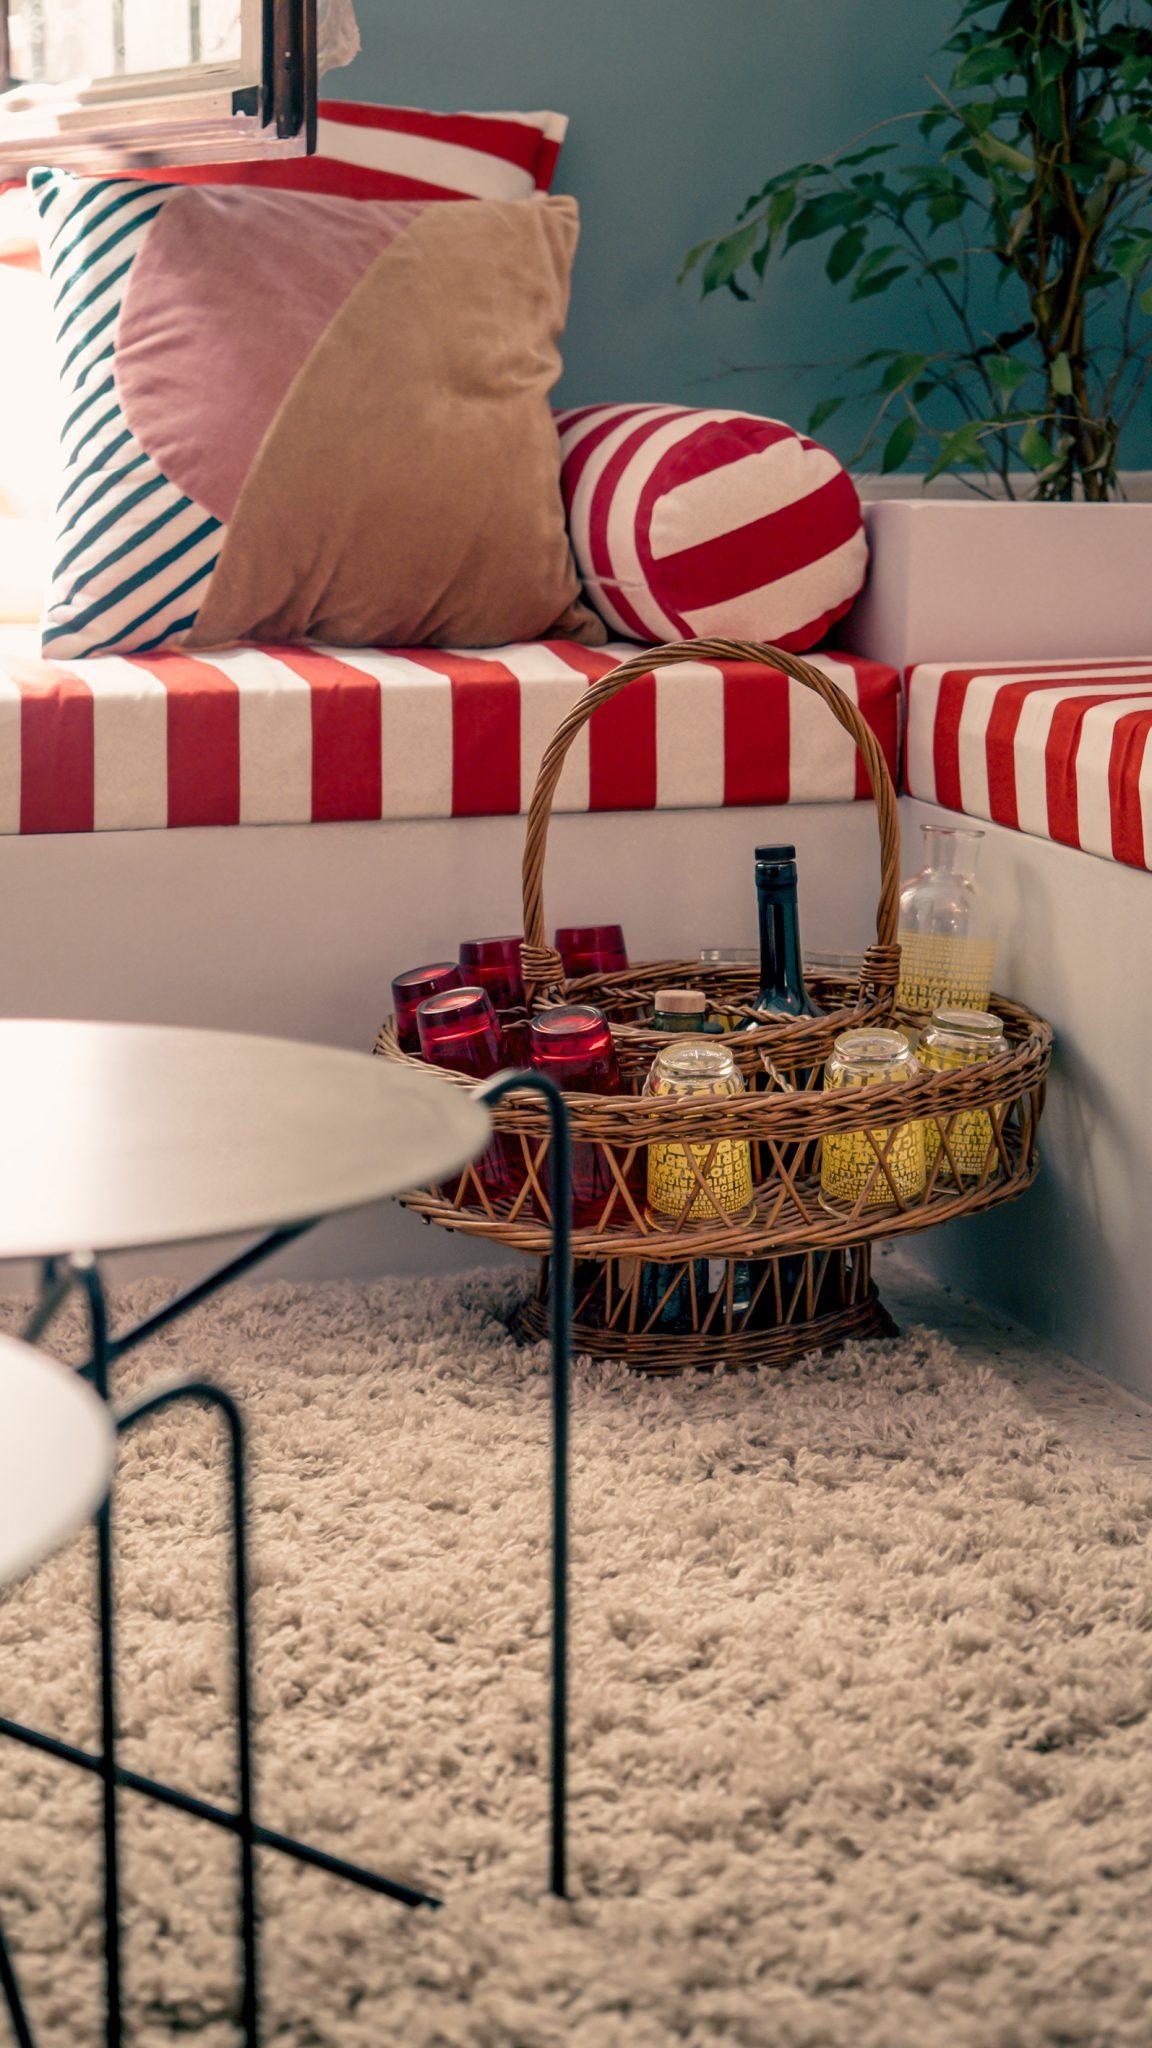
{"points": [[542, 964]]}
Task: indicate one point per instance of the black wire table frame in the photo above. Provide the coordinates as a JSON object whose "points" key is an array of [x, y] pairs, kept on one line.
{"points": [[80, 1271]]}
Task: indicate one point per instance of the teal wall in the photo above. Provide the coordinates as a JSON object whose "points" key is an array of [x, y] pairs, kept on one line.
{"points": [[679, 109]]}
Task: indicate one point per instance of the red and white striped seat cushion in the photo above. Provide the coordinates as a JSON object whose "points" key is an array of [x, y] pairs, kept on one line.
{"points": [[294, 735], [687, 523], [1059, 749]]}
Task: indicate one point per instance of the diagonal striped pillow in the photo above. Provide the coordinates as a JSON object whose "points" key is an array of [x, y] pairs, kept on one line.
{"points": [[688, 523], [133, 551]]}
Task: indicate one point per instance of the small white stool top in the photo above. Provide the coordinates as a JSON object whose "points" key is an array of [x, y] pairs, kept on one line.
{"points": [[57, 1448], [119, 1137]]}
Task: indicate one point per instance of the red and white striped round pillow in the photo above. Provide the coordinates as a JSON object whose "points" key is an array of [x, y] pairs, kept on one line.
{"points": [[687, 523]]}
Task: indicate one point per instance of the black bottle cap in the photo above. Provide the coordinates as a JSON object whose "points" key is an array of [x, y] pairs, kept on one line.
{"points": [[775, 856]]}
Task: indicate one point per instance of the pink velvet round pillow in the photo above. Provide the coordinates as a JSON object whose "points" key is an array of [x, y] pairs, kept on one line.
{"points": [[689, 524]]}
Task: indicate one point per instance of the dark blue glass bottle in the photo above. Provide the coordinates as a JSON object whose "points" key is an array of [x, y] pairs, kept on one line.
{"points": [[782, 987]]}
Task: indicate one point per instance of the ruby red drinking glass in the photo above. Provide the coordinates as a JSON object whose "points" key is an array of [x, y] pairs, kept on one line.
{"points": [[413, 988], [575, 1048], [458, 1029], [494, 965], [591, 948]]}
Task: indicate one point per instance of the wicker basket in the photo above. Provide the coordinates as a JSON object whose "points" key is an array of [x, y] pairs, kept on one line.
{"points": [[784, 1114]]}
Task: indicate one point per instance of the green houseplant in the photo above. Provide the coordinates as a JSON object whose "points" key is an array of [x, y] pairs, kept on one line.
{"points": [[1020, 205]]}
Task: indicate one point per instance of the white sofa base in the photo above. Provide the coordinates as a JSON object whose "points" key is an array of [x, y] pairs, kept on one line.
{"points": [[1071, 1259]]}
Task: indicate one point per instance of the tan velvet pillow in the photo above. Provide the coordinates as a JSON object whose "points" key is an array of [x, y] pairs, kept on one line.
{"points": [[329, 420]]}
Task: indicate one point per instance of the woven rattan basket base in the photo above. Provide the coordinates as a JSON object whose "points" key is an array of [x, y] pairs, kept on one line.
{"points": [[839, 1288]]}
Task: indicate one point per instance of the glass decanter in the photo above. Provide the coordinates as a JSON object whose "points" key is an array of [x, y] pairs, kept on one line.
{"points": [[946, 927]]}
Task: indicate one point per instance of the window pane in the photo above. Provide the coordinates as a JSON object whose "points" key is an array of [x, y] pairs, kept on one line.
{"points": [[54, 41]]}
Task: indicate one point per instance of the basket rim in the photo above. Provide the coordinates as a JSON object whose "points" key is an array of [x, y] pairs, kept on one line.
{"points": [[780, 1113]]}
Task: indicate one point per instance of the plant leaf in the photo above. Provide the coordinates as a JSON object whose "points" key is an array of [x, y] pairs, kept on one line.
{"points": [[828, 210], [899, 445], [1008, 373], [729, 254], [861, 156], [1060, 375], [986, 62], [901, 371], [962, 449], [947, 206], [781, 207], [1051, 61], [691, 260], [996, 151], [844, 254], [1035, 449], [867, 288], [1130, 256], [822, 412]]}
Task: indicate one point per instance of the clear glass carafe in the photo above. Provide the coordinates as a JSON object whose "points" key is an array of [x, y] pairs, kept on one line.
{"points": [[946, 927]]}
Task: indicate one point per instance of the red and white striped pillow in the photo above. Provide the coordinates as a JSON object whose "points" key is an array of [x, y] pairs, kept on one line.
{"points": [[368, 152], [686, 524], [365, 152]]}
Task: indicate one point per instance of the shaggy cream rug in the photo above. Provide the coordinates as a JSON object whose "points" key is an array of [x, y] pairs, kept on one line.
{"points": [[863, 1659]]}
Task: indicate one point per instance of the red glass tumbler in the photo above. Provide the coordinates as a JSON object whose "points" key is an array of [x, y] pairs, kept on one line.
{"points": [[591, 948], [494, 965], [575, 1048], [411, 989], [458, 1029]]}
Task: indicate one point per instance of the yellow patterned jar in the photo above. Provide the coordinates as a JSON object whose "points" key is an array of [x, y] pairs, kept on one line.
{"points": [[962, 1038], [687, 1067], [850, 1166]]}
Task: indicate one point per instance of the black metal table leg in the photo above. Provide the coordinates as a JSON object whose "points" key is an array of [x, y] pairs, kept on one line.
{"points": [[86, 1273], [21, 2031], [166, 1397], [561, 1318]]}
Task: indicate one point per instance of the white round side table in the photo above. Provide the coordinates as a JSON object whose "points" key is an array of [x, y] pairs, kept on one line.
{"points": [[125, 1137]]}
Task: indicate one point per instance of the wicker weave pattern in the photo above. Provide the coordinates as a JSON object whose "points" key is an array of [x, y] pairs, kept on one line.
{"points": [[805, 1303]]}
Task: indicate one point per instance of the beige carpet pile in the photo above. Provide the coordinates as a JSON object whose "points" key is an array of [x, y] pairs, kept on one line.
{"points": [[862, 1673]]}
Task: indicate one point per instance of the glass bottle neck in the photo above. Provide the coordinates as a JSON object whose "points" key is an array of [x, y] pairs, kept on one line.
{"points": [[950, 851], [781, 969]]}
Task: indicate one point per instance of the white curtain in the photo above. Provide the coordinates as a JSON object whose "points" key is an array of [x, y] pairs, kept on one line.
{"points": [[339, 36]]}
